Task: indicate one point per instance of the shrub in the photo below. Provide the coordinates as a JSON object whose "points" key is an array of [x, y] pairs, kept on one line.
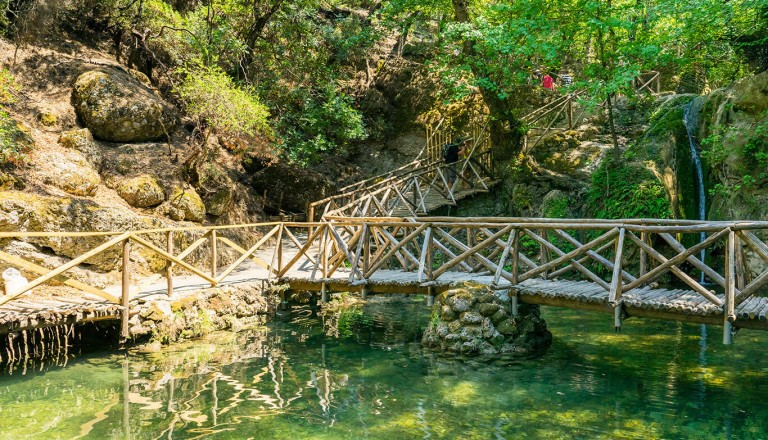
{"points": [[14, 142], [211, 97]]}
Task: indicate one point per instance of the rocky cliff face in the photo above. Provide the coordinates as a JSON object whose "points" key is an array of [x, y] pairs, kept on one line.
{"points": [[91, 166], [733, 131]]}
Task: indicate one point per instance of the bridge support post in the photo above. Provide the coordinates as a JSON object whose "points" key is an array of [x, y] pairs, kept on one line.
{"points": [[515, 305], [125, 297], [727, 332], [324, 293], [430, 296], [364, 293], [617, 318]]}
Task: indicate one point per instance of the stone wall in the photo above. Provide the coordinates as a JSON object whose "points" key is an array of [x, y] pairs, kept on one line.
{"points": [[218, 308], [474, 320]]}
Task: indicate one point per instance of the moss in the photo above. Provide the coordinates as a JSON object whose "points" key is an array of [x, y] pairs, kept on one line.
{"points": [[627, 191], [186, 205]]}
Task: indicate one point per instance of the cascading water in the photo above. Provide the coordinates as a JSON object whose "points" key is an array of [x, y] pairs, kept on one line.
{"points": [[691, 121]]}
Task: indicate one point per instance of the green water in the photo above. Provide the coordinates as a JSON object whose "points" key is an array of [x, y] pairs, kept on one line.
{"points": [[362, 375]]}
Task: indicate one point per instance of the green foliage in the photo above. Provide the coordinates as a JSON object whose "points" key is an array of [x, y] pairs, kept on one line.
{"points": [[14, 142], [8, 87], [627, 191], [723, 144], [319, 124], [211, 96]]}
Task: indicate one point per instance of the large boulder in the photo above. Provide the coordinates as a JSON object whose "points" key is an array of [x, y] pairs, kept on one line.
{"points": [[71, 173], [186, 204], [141, 191], [750, 95], [116, 107], [82, 141]]}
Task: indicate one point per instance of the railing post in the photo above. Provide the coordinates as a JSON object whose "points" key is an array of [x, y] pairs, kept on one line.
{"points": [[515, 255], [126, 280], [214, 261], [741, 276], [730, 288], [515, 266], [570, 113], [169, 265], [643, 255], [367, 250], [543, 253], [614, 296]]}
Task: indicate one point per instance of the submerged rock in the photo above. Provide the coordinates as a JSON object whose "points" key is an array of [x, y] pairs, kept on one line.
{"points": [[470, 319]]}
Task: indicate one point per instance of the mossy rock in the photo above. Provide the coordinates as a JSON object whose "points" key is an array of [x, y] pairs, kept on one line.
{"points": [[71, 173], [141, 191], [48, 119], [82, 141], [117, 107], [186, 204], [218, 203]]}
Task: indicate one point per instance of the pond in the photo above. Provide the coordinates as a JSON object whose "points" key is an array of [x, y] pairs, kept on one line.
{"points": [[362, 374]]}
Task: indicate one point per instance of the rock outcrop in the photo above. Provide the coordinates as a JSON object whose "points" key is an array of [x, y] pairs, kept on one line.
{"points": [[71, 173], [186, 204], [116, 107], [82, 141], [219, 308], [473, 320], [25, 211], [141, 192]]}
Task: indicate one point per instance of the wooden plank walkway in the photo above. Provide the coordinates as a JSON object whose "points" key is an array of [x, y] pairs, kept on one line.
{"points": [[669, 304]]}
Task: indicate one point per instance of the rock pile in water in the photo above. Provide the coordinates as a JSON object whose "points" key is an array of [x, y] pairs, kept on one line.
{"points": [[471, 319]]}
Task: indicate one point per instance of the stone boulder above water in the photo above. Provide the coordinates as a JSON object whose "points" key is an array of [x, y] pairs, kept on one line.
{"points": [[471, 319], [117, 107]]}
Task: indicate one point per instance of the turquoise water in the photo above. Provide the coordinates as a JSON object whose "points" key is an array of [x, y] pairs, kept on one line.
{"points": [[362, 375]]}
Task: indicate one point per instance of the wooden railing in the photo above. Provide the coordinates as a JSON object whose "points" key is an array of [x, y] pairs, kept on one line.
{"points": [[618, 255], [404, 191], [649, 82], [514, 250]]}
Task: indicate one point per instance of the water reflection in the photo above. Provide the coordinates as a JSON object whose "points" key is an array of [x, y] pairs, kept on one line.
{"points": [[293, 380]]}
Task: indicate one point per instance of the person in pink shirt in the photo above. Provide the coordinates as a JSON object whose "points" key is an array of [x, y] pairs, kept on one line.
{"points": [[547, 82]]}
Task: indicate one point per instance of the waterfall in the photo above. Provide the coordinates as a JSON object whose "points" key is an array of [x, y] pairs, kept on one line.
{"points": [[691, 121]]}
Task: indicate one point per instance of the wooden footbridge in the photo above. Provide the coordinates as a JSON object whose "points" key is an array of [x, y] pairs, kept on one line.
{"points": [[611, 266], [424, 185], [376, 237]]}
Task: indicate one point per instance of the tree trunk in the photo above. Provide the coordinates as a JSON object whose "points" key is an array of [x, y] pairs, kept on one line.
{"points": [[505, 128], [614, 137]]}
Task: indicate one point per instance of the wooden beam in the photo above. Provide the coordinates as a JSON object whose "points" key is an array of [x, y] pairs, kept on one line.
{"points": [[32, 267], [64, 267], [653, 274], [666, 265], [614, 296], [181, 263]]}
